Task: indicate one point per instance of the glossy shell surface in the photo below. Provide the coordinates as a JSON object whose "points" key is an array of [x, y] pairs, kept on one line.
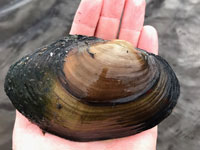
{"points": [[88, 89]]}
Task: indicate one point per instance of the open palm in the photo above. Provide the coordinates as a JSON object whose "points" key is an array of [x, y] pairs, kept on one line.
{"points": [[100, 18]]}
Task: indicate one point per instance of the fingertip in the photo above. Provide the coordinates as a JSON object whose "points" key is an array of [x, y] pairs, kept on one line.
{"points": [[133, 17], [24, 132], [148, 39], [109, 20], [132, 21], [20, 120], [86, 17]]}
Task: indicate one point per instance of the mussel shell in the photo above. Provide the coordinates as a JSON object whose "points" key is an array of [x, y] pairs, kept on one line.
{"points": [[88, 89]]}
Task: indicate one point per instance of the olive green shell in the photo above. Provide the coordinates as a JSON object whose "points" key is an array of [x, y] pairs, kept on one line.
{"points": [[88, 89]]}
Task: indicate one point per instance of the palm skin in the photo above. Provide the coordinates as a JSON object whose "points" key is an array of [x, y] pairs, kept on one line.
{"points": [[100, 18]]}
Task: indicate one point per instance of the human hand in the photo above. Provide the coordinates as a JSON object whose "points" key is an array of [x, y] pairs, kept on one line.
{"points": [[101, 19]]}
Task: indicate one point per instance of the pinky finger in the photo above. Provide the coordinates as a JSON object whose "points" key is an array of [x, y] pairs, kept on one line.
{"points": [[148, 39]]}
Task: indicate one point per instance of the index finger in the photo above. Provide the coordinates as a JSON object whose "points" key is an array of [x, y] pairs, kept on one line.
{"points": [[109, 20], [86, 17], [132, 21]]}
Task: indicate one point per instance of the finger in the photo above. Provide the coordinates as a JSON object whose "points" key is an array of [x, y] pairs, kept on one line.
{"points": [[86, 18], [109, 21], [21, 120], [149, 39], [23, 132], [132, 21], [29, 136]]}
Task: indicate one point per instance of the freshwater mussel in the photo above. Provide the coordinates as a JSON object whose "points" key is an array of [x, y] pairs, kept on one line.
{"points": [[88, 89]]}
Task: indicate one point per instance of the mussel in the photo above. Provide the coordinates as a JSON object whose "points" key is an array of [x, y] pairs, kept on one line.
{"points": [[87, 89]]}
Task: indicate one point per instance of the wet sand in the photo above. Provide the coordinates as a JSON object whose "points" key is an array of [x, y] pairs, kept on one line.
{"points": [[28, 24]]}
